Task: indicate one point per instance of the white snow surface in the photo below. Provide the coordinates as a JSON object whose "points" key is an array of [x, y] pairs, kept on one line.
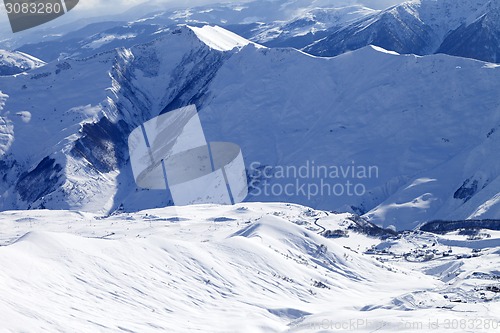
{"points": [[411, 117], [244, 268], [14, 62], [221, 39]]}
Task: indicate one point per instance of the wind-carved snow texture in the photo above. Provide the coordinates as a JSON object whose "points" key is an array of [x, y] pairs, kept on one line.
{"points": [[415, 119], [252, 267]]}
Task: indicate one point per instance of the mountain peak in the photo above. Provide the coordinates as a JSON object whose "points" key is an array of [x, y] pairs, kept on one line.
{"points": [[220, 39], [17, 62]]}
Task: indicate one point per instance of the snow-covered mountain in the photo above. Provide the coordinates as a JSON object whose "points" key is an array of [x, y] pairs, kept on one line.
{"points": [[17, 62], [273, 23], [430, 135], [478, 38], [458, 27], [247, 268], [374, 176], [307, 27]]}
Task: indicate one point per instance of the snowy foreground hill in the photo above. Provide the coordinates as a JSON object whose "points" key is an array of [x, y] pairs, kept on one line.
{"points": [[426, 128], [245, 268]]}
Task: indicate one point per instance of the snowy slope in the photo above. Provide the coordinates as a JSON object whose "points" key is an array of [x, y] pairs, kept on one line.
{"points": [[17, 62], [367, 108], [413, 119], [244, 268], [220, 39]]}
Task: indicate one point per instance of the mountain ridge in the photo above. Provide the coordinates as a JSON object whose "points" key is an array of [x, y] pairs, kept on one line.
{"points": [[89, 154], [422, 27], [16, 62]]}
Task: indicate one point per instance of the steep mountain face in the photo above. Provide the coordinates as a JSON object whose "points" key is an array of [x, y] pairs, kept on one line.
{"points": [[463, 28], [427, 136], [65, 127], [479, 39], [399, 28], [17, 62]]}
